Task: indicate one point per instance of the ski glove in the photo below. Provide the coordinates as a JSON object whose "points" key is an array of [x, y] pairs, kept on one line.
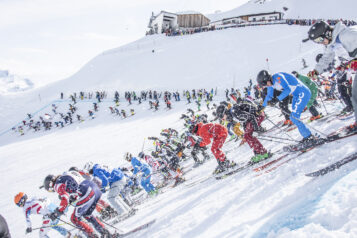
{"points": [[54, 215], [28, 230]]}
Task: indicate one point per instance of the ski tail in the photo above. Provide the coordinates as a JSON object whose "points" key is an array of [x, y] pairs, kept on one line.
{"points": [[139, 228], [333, 166]]}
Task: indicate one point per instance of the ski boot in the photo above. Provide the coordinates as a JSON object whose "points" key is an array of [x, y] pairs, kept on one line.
{"points": [[153, 193], [315, 118], [259, 157], [352, 128], [288, 123], [223, 166]]}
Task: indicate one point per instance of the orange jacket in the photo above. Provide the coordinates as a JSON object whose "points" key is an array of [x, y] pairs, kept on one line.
{"points": [[209, 131]]}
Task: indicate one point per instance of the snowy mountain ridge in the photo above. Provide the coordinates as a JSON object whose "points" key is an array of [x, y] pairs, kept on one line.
{"points": [[10, 83]]}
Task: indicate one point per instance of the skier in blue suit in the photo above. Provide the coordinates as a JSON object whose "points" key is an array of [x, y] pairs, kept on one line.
{"points": [[140, 166], [289, 85], [117, 181]]}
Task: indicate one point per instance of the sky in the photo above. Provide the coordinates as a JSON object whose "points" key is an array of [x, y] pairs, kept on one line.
{"points": [[46, 41]]}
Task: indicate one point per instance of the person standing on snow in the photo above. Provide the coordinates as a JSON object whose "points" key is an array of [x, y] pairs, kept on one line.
{"points": [[218, 134], [289, 85], [335, 38]]}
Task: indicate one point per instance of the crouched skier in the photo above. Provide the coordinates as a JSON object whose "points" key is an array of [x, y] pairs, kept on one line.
{"points": [[86, 193]]}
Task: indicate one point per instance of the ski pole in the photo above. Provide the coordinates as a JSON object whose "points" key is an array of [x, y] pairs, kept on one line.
{"points": [[309, 126], [42, 227], [324, 105], [263, 138], [275, 125], [112, 226], [69, 224], [279, 138]]}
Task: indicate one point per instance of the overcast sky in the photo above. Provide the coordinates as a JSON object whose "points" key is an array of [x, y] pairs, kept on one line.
{"points": [[48, 40]]}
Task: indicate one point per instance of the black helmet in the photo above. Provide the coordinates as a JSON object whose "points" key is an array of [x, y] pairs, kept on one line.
{"points": [[49, 182], [193, 128], [73, 169], [263, 77], [295, 73], [319, 31], [141, 155], [318, 57], [221, 110]]}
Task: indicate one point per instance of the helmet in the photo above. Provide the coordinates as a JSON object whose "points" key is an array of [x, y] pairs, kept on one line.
{"points": [[320, 31], [88, 166], [318, 57], [20, 199], [73, 169], [49, 182], [193, 128], [295, 73], [220, 111], [127, 156], [263, 77], [141, 155]]}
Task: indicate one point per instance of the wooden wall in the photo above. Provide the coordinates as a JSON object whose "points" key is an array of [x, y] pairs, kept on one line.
{"points": [[192, 20]]}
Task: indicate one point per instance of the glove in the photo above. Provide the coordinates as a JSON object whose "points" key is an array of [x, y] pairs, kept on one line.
{"points": [[103, 190], [260, 108], [54, 215], [28, 230]]}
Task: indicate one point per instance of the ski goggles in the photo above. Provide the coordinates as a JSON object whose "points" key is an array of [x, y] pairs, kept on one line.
{"points": [[319, 40], [21, 203]]}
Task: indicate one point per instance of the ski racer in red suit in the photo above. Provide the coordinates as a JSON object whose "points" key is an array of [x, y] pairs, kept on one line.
{"points": [[218, 134]]}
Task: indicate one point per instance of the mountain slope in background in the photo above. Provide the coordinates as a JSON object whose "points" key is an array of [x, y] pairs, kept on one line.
{"points": [[10, 83], [303, 9]]}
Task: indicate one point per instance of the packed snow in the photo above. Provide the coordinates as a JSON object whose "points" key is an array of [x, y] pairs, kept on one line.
{"points": [[280, 203]]}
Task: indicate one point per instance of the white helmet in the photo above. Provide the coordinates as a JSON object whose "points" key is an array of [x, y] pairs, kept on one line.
{"points": [[128, 156], [88, 166]]}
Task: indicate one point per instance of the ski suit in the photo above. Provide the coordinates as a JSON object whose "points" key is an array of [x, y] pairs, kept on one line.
{"points": [[247, 113], [117, 181], [216, 132], [342, 37], [288, 84], [87, 194], [145, 169], [314, 90], [40, 207]]}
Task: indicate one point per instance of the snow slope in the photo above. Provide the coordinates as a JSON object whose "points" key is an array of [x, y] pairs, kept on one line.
{"points": [[222, 59], [303, 9], [282, 203]]}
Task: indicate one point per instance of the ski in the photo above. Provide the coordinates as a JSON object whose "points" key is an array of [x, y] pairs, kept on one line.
{"points": [[139, 228], [333, 166], [335, 138]]}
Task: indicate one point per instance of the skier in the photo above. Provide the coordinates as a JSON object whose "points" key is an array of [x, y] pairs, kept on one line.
{"points": [[289, 86], [72, 186], [4, 229], [116, 181], [219, 134], [343, 85], [251, 116], [39, 206], [313, 89], [333, 38], [142, 167]]}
